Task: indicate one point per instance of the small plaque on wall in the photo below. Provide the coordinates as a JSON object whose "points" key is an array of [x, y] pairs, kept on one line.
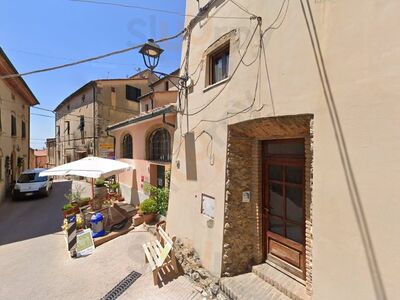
{"points": [[207, 205], [246, 196]]}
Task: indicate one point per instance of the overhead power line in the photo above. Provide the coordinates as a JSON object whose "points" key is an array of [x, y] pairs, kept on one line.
{"points": [[60, 57], [155, 9], [41, 115], [90, 59]]}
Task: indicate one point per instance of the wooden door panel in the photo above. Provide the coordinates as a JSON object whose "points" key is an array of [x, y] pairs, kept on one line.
{"points": [[283, 209], [285, 249]]}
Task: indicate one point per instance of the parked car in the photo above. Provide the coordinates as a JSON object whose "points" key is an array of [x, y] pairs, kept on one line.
{"points": [[29, 183]]}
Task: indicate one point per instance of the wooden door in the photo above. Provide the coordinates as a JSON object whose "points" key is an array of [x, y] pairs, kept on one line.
{"points": [[283, 204]]}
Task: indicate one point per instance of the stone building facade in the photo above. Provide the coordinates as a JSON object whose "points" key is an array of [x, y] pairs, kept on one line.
{"points": [[290, 121], [15, 101], [82, 118], [51, 152]]}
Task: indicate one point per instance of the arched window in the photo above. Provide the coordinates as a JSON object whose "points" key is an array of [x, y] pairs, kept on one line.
{"points": [[160, 145], [127, 151]]}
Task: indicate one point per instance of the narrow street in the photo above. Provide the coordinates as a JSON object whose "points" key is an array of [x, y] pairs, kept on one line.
{"points": [[35, 264]]}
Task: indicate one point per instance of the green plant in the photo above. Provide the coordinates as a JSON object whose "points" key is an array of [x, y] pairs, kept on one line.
{"points": [[167, 178], [73, 196], [83, 201], [160, 195], [99, 182], [67, 206], [148, 206], [113, 186]]}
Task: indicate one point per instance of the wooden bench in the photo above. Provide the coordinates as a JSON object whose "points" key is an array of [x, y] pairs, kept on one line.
{"points": [[160, 253]]}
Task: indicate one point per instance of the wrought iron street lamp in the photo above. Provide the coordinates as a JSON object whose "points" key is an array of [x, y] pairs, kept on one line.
{"points": [[151, 54]]}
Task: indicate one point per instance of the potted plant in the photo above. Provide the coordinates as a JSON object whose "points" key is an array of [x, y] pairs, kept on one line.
{"points": [[160, 195], [113, 187], [148, 208], [70, 209], [83, 201], [100, 190]]}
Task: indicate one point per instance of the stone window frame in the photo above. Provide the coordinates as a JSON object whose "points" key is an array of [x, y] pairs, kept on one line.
{"points": [[23, 129], [13, 127], [220, 44]]}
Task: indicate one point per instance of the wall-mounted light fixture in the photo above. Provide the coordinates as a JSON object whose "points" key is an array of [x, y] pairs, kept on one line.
{"points": [[151, 54]]}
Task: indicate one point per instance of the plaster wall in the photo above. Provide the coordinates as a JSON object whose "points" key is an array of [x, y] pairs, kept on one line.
{"points": [[133, 181], [12, 103], [355, 222]]}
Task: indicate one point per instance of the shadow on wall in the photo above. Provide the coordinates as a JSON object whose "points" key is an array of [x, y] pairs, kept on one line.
{"points": [[33, 217], [356, 201]]}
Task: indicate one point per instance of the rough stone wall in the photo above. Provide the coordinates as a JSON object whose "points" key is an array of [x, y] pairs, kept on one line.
{"points": [[308, 208], [241, 237], [243, 240]]}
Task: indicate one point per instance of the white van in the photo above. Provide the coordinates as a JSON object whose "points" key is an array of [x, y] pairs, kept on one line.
{"points": [[29, 183]]}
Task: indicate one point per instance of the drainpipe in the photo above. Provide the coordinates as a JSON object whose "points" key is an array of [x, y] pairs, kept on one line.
{"points": [[165, 122], [94, 118], [108, 134], [29, 137]]}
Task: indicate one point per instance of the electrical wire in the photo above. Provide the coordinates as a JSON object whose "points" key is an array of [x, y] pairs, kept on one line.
{"points": [[245, 110], [229, 78], [61, 58], [90, 59], [153, 9], [268, 78], [272, 26], [42, 115], [240, 6]]}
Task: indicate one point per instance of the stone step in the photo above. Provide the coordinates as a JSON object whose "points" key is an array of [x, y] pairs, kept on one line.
{"points": [[250, 287], [284, 283]]}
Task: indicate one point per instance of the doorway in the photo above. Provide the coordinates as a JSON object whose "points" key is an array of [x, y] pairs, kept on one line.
{"points": [[160, 176], [284, 204]]}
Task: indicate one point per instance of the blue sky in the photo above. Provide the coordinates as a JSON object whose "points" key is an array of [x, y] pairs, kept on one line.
{"points": [[43, 33]]}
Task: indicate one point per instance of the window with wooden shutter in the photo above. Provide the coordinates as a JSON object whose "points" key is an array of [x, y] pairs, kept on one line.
{"points": [[13, 125], [133, 93], [23, 129]]}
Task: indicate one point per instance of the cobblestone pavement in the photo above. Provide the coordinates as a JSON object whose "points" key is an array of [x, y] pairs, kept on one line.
{"points": [[34, 263]]}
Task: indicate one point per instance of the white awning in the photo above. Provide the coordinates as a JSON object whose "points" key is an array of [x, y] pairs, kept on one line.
{"points": [[92, 167]]}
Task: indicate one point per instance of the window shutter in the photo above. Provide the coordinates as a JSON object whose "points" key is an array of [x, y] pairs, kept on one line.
{"points": [[13, 125], [82, 123], [133, 93], [23, 129]]}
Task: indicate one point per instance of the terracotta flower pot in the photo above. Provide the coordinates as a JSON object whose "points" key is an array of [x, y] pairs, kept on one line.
{"points": [[149, 218], [72, 211]]}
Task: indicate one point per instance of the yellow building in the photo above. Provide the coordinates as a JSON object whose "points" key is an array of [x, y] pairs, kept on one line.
{"points": [[15, 101], [82, 118], [293, 123]]}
